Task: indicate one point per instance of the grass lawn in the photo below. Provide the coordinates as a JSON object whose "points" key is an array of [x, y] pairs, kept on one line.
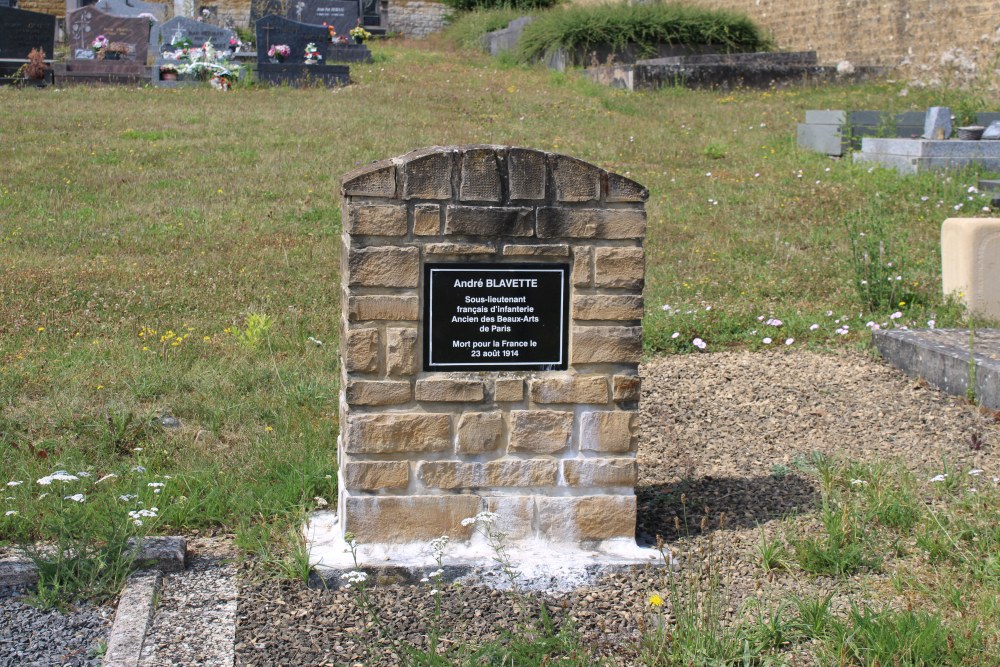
{"points": [[174, 252]]}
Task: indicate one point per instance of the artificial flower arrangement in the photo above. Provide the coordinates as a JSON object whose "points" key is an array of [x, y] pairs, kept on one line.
{"points": [[279, 52], [360, 34], [99, 44], [235, 44], [333, 37], [312, 55]]}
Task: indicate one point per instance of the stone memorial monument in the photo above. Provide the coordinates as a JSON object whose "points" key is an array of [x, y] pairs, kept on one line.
{"points": [[491, 335]]}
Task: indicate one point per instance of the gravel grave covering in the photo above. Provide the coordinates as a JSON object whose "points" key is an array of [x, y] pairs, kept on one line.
{"points": [[722, 433], [33, 637]]}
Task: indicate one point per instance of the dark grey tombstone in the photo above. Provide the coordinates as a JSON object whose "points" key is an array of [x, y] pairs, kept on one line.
{"points": [[272, 30], [10, 4], [261, 8], [133, 8], [343, 14], [163, 34], [83, 25], [22, 31]]}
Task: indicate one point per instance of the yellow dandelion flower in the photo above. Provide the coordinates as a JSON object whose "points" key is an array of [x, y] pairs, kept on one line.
{"points": [[655, 600], [268, 428], [40, 329]]}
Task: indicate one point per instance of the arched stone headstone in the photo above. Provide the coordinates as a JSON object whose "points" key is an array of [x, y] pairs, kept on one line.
{"points": [[491, 336]]}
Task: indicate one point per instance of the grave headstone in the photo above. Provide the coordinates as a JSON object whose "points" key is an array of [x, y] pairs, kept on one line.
{"points": [[492, 333], [273, 30], [261, 8], [133, 8], [21, 31], [83, 25], [993, 131], [342, 14], [163, 34], [938, 123]]}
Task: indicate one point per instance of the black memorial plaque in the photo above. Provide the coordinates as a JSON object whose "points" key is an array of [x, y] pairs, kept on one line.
{"points": [[489, 317]]}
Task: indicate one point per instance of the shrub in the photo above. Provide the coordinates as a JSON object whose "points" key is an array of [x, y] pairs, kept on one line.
{"points": [[645, 26], [468, 28], [475, 5]]}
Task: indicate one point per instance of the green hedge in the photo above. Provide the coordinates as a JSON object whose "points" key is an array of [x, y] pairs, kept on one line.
{"points": [[646, 26], [467, 29], [473, 5]]}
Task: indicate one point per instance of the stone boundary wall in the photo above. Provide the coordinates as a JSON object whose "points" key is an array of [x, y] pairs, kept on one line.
{"points": [[552, 452], [930, 41], [416, 18]]}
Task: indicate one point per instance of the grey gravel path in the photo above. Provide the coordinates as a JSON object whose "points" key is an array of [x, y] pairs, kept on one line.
{"points": [[32, 637]]}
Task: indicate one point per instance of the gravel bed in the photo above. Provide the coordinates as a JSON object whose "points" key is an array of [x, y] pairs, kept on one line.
{"points": [[32, 637], [720, 438], [195, 614]]}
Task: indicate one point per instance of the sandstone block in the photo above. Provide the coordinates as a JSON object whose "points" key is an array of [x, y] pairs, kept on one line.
{"points": [[480, 176], [389, 433], [526, 174], [427, 175], [383, 307], [600, 472], [377, 392], [402, 519], [569, 389], [583, 258], [607, 307], [586, 518], [970, 254], [575, 180], [608, 431], [544, 250], [450, 390], [376, 220], [383, 267], [508, 390], [619, 267], [360, 350], [507, 473], [427, 219], [516, 515], [540, 431], [401, 351], [591, 223], [489, 221], [616, 345], [460, 249], [626, 388], [448, 474], [375, 475], [374, 180], [621, 189], [479, 432]]}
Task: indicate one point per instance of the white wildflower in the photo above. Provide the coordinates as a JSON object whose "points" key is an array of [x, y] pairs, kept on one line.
{"points": [[354, 577]]}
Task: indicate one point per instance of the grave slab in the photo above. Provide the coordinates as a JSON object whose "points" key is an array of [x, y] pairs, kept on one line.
{"points": [[910, 156], [941, 357]]}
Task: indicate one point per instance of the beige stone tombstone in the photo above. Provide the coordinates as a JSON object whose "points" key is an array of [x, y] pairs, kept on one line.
{"points": [[551, 450], [970, 263]]}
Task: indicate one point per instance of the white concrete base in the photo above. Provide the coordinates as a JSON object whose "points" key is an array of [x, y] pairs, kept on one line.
{"points": [[541, 565]]}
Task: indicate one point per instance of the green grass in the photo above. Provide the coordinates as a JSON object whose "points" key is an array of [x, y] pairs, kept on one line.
{"points": [[129, 213]]}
